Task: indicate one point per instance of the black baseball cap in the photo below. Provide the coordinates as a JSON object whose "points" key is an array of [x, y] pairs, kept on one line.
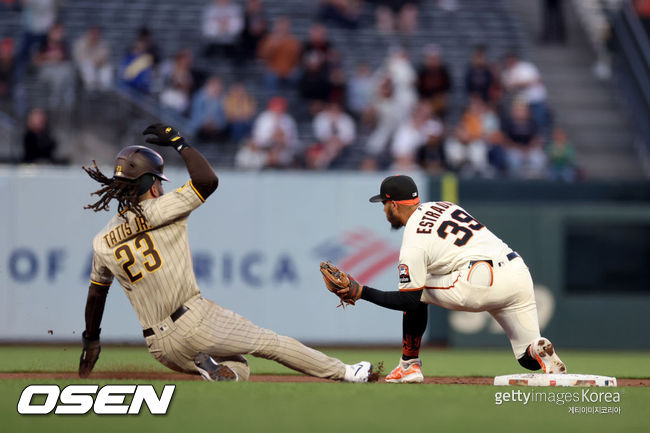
{"points": [[400, 189]]}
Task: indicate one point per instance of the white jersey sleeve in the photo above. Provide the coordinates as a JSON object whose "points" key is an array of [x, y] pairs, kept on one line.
{"points": [[412, 268]]}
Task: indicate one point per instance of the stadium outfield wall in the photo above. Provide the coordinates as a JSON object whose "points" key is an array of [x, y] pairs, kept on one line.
{"points": [[257, 242]]}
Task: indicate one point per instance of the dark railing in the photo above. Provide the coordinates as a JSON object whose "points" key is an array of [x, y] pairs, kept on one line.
{"points": [[9, 139], [135, 111], [631, 63], [147, 106]]}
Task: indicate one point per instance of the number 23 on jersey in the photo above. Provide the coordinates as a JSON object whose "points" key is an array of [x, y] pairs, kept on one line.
{"points": [[143, 245]]}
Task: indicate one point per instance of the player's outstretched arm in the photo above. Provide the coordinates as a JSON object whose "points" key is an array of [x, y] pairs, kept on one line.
{"points": [[90, 337], [349, 291], [203, 177], [395, 300]]}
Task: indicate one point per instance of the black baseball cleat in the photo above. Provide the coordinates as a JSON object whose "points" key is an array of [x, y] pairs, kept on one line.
{"points": [[212, 371]]}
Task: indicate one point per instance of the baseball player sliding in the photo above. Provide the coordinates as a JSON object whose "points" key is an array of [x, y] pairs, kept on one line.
{"points": [[145, 247], [450, 259]]}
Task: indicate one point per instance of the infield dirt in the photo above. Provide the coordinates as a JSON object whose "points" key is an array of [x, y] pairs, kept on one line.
{"points": [[174, 377]]}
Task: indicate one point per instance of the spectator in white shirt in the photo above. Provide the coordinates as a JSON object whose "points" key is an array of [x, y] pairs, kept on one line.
{"points": [[524, 82], [251, 157], [394, 100], [92, 56], [275, 131], [222, 25], [38, 18], [335, 130], [177, 82], [413, 133]]}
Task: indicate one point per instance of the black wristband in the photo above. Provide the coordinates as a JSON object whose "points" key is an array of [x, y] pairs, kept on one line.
{"points": [[180, 146], [94, 336]]}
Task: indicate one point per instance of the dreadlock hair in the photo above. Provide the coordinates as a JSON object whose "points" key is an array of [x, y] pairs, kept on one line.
{"points": [[125, 191]]}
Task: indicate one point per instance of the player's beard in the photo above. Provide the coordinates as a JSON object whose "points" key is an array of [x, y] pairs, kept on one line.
{"points": [[394, 221]]}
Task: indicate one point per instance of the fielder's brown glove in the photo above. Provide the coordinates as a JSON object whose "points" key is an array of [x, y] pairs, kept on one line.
{"points": [[343, 285]]}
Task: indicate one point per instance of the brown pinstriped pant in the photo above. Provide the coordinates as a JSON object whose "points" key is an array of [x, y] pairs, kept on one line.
{"points": [[226, 336]]}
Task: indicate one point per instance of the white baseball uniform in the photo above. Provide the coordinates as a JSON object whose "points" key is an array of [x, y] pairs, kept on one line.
{"points": [[460, 265], [150, 257]]}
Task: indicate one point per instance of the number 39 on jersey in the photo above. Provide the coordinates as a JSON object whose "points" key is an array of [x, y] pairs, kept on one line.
{"points": [[461, 225]]}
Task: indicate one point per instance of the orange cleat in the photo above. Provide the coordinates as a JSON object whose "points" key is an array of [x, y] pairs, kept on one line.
{"points": [[406, 372]]}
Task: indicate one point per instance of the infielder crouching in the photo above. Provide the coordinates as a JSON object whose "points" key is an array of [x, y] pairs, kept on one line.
{"points": [[145, 247], [450, 259]]}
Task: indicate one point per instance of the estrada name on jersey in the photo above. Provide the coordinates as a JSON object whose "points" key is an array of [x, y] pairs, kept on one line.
{"points": [[439, 238]]}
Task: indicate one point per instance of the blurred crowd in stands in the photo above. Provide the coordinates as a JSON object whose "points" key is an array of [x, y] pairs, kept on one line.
{"points": [[391, 117]]}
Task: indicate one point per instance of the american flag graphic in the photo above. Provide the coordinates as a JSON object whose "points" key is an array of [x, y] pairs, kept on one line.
{"points": [[360, 253]]}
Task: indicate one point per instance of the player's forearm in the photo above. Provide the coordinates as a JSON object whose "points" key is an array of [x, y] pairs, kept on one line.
{"points": [[95, 310], [401, 301], [203, 176]]}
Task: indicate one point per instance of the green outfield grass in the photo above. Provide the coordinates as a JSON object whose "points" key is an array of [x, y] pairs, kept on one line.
{"points": [[334, 407]]}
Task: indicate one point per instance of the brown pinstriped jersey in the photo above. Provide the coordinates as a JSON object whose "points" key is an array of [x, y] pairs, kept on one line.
{"points": [[150, 255]]}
